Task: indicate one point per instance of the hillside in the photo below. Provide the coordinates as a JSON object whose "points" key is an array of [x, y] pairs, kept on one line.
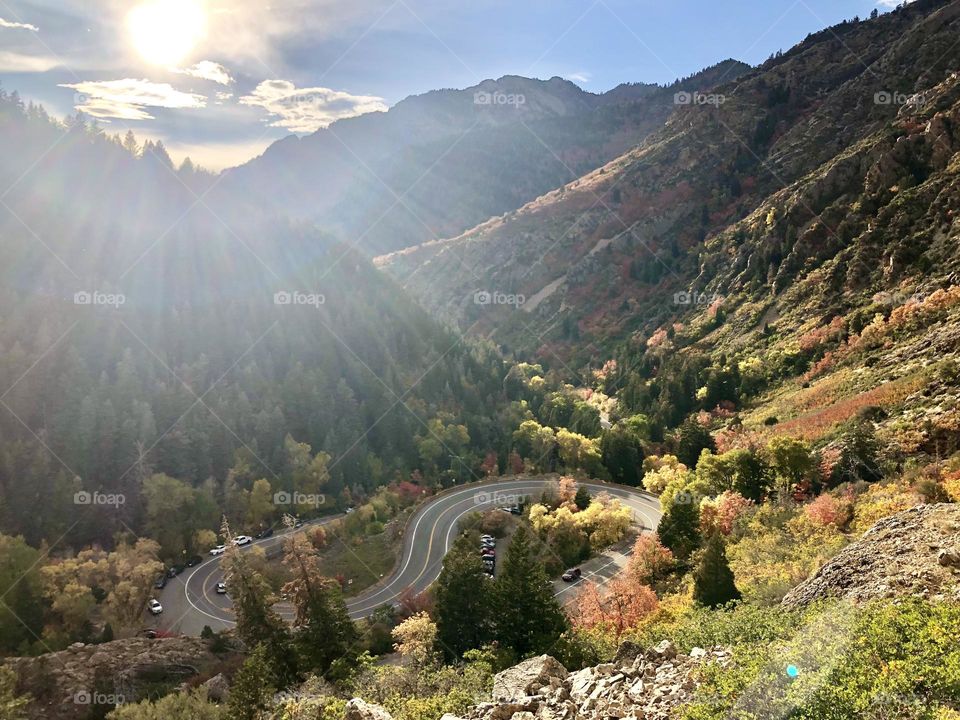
{"points": [[601, 259], [438, 164], [145, 335]]}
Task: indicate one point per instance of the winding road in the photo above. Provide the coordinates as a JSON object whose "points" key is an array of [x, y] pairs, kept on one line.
{"points": [[190, 601]]}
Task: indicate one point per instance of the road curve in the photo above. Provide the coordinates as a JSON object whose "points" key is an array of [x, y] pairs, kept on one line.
{"points": [[192, 603]]}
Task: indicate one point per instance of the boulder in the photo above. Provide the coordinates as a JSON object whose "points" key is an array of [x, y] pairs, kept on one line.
{"points": [[357, 709], [527, 678]]}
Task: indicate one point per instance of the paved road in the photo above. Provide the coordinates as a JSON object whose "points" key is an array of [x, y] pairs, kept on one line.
{"points": [[190, 600]]}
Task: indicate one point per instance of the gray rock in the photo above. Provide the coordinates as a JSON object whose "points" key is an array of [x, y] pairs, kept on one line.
{"points": [[357, 709], [527, 678]]}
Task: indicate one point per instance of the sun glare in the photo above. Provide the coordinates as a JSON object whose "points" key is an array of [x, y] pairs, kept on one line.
{"points": [[164, 32]]}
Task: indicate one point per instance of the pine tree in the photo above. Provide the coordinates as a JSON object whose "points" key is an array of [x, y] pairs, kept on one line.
{"points": [[692, 439], [252, 687], [713, 581], [463, 601], [257, 622], [529, 620], [583, 498], [679, 529], [324, 628]]}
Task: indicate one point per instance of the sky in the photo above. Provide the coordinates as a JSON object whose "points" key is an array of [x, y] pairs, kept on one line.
{"points": [[219, 80]]}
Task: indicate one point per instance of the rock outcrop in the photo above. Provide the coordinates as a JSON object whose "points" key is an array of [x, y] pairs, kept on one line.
{"points": [[68, 684], [916, 552], [640, 685]]}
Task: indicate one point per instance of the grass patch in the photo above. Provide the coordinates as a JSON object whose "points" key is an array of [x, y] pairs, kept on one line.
{"points": [[362, 561]]}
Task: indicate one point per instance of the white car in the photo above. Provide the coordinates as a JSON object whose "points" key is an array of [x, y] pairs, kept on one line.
{"points": [[155, 607], [241, 540], [221, 588], [218, 550]]}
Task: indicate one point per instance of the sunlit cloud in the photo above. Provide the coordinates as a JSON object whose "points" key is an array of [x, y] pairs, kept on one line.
{"points": [[207, 70], [579, 77], [304, 110], [128, 99], [18, 25], [13, 62]]}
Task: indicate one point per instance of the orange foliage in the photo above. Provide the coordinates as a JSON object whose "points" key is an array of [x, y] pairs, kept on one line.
{"points": [[649, 561], [813, 425], [621, 607], [828, 510], [722, 513]]}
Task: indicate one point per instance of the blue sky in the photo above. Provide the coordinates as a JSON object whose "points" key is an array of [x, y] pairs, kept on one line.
{"points": [[214, 78]]}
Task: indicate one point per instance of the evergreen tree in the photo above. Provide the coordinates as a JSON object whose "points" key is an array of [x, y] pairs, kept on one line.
{"points": [[692, 439], [324, 628], [622, 454], [713, 582], [463, 600], [528, 617], [253, 686], [679, 529], [258, 624], [859, 455], [583, 498]]}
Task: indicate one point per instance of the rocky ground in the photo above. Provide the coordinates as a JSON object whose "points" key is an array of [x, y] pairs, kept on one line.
{"points": [[68, 684], [916, 552], [638, 685]]}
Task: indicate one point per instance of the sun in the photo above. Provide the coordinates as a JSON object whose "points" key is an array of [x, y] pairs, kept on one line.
{"points": [[164, 32]]}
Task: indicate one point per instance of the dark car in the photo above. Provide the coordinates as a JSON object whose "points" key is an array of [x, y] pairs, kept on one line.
{"points": [[516, 510], [161, 582], [194, 561], [264, 533], [174, 571], [571, 575]]}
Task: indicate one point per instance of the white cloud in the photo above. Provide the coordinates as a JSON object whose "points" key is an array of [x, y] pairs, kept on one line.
{"points": [[579, 77], [18, 25], [127, 99], [13, 62], [207, 70], [222, 97], [306, 110], [892, 3]]}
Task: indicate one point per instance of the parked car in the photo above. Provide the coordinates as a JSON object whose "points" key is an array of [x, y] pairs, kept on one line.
{"points": [[241, 540], [194, 561], [515, 510], [571, 575], [218, 550], [174, 571], [488, 552], [221, 588], [155, 607], [298, 523], [488, 543], [264, 533], [150, 633], [161, 582]]}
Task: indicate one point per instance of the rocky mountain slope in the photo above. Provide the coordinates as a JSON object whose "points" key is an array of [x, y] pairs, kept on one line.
{"points": [[916, 552], [439, 163], [808, 185]]}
